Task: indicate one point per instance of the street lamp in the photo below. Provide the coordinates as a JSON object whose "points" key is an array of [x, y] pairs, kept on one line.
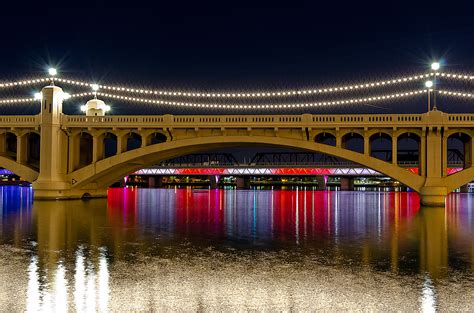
{"points": [[52, 71], [429, 84], [435, 66]]}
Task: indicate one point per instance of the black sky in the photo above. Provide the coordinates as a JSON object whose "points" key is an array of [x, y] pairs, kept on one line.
{"points": [[231, 45]]}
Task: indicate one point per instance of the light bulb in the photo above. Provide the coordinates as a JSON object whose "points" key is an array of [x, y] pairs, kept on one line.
{"points": [[83, 108], [52, 71], [38, 96], [66, 96], [95, 87], [435, 66], [429, 84]]}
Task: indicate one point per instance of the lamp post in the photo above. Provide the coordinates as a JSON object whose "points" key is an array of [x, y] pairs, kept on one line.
{"points": [[435, 66], [429, 85]]}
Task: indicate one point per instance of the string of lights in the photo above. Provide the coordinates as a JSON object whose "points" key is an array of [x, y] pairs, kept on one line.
{"points": [[18, 100], [361, 101], [250, 94], [456, 93], [26, 82]]}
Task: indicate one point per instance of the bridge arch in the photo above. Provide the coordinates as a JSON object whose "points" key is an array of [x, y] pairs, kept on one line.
{"points": [[378, 141], [105, 172], [327, 138], [353, 141]]}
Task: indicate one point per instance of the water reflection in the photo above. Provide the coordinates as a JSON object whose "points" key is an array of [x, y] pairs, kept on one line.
{"points": [[51, 290], [82, 256]]}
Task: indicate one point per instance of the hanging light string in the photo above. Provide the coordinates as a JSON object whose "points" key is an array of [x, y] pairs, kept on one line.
{"points": [[18, 100], [250, 94], [361, 101], [247, 94], [26, 82], [456, 93]]}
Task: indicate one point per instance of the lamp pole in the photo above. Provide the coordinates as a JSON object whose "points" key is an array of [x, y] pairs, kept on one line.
{"points": [[435, 67]]}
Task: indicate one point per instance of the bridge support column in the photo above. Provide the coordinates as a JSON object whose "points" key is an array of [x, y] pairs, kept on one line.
{"points": [[97, 148], [347, 183], [433, 196], [321, 182], [394, 150], [52, 182], [422, 155], [366, 145], [73, 152], [121, 142], [469, 154], [243, 182], [3, 144], [214, 181], [444, 164], [22, 149], [155, 182]]}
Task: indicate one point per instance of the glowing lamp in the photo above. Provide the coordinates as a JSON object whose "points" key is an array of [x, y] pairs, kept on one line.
{"points": [[435, 66], [66, 96], [83, 108], [38, 96], [429, 84], [95, 87], [52, 71]]}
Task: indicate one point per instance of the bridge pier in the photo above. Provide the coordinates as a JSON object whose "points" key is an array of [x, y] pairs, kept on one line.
{"points": [[321, 182], [433, 196], [243, 182], [347, 183]]}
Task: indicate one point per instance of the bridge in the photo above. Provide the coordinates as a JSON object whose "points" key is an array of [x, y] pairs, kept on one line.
{"points": [[75, 156]]}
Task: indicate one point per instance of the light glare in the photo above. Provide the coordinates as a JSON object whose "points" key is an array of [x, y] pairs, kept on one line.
{"points": [[435, 66], [429, 84], [52, 71]]}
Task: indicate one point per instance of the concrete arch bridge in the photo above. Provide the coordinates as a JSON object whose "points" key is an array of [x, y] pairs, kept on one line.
{"points": [[68, 156]]}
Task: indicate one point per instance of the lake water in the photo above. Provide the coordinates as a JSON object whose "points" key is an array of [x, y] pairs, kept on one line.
{"points": [[228, 250]]}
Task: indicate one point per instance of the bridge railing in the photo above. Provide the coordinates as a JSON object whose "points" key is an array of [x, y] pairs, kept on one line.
{"points": [[20, 120], [303, 120]]}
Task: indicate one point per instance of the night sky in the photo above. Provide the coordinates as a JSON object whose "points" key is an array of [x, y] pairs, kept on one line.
{"points": [[209, 47]]}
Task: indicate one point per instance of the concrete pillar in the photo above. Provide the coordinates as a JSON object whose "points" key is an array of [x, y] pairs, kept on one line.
{"points": [[121, 143], [73, 152], [422, 155], [444, 160], [347, 183], [51, 180], [97, 148], [243, 182], [434, 154], [366, 145], [3, 144], [22, 149], [471, 152], [394, 150], [214, 181], [468, 154], [321, 182], [151, 182], [338, 140]]}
